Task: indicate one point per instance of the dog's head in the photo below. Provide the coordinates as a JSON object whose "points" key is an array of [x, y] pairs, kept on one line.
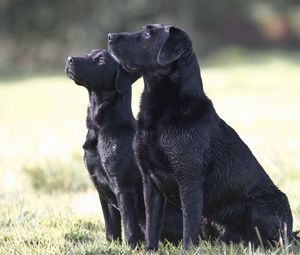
{"points": [[98, 71], [152, 47]]}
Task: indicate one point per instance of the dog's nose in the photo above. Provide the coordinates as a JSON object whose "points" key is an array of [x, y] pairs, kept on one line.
{"points": [[111, 37], [70, 60]]}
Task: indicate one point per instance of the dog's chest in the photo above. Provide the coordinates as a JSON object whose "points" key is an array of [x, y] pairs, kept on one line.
{"points": [[155, 163], [99, 176], [107, 149]]}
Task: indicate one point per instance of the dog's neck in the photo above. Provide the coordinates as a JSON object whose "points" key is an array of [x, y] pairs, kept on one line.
{"points": [[112, 106], [175, 90], [184, 74]]}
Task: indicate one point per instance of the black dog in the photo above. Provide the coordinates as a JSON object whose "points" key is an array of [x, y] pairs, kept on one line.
{"points": [[188, 154], [108, 148]]}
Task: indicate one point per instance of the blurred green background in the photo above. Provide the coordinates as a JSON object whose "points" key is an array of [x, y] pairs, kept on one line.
{"points": [[249, 53], [38, 35]]}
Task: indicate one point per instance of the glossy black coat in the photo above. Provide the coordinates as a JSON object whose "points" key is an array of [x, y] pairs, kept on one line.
{"points": [[188, 154], [108, 152]]}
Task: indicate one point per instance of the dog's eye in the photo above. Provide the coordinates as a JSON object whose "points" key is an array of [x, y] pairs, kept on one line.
{"points": [[101, 60], [147, 35]]}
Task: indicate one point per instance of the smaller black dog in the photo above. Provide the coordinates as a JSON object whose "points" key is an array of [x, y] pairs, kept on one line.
{"points": [[108, 148], [108, 151]]}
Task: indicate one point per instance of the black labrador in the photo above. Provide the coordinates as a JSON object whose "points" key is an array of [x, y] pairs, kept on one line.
{"points": [[188, 154], [108, 152]]}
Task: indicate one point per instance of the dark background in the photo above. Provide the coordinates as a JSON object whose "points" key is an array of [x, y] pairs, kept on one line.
{"points": [[38, 35]]}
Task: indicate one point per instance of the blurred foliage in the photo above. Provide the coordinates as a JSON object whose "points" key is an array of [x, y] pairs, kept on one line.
{"points": [[38, 35]]}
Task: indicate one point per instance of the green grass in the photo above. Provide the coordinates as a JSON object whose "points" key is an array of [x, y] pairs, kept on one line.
{"points": [[48, 204]]}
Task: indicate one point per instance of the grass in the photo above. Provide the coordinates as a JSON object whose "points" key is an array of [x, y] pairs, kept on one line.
{"points": [[48, 204]]}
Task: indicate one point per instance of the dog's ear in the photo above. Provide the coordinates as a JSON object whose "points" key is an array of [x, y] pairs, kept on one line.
{"points": [[125, 79], [177, 43]]}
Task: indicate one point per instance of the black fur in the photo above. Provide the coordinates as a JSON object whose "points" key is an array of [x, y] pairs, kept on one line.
{"points": [[108, 152], [188, 154]]}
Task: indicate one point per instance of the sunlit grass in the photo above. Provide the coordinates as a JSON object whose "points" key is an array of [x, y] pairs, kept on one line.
{"points": [[43, 127]]}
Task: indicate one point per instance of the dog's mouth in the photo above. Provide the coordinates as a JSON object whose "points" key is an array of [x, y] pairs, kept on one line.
{"points": [[73, 77], [109, 47], [128, 67]]}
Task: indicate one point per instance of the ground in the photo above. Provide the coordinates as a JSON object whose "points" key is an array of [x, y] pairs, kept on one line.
{"points": [[47, 202]]}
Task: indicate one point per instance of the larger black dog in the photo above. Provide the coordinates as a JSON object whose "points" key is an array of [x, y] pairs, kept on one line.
{"points": [[108, 148], [187, 153]]}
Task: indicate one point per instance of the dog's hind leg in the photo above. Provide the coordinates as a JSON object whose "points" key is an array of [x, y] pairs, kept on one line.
{"points": [[112, 220], [269, 218]]}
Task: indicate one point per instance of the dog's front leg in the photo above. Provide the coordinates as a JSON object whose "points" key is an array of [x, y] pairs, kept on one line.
{"points": [[191, 197], [112, 220], [154, 205], [129, 208]]}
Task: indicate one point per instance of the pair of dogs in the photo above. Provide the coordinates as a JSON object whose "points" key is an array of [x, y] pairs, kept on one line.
{"points": [[180, 172]]}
